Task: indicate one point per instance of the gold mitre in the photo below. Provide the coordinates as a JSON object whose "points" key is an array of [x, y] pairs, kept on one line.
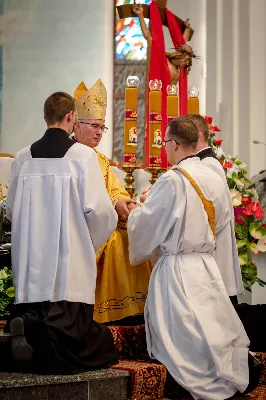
{"points": [[91, 103]]}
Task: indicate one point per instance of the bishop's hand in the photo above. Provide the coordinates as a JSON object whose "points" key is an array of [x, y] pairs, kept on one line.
{"points": [[123, 207]]}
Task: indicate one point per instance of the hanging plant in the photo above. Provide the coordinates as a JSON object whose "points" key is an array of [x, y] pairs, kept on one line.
{"points": [[249, 229]]}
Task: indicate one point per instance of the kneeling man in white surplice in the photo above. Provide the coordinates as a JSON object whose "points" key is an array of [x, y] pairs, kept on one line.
{"points": [[191, 325]]}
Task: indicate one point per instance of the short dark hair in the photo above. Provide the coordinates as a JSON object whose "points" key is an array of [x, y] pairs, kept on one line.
{"points": [[201, 124], [57, 106], [184, 131]]}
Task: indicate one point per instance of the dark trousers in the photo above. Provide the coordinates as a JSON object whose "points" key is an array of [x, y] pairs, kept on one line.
{"points": [[64, 337]]}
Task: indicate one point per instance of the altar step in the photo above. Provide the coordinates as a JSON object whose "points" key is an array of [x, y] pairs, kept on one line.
{"points": [[136, 377], [150, 380], [104, 384]]}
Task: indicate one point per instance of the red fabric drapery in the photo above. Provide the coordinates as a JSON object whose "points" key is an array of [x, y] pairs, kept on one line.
{"points": [[159, 70], [178, 39]]}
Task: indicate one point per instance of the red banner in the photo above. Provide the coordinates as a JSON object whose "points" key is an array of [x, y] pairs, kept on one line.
{"points": [[131, 115], [155, 161], [158, 70], [130, 159], [155, 117], [178, 39]]}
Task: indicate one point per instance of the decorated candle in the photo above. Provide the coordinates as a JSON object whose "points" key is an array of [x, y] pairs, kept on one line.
{"points": [[154, 138], [193, 101], [172, 102], [130, 125], [172, 106]]}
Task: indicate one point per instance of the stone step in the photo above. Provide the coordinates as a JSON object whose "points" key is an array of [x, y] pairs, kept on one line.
{"points": [[106, 384], [136, 378]]}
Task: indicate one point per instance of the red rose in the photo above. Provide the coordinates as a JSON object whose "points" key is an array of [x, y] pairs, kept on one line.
{"points": [[227, 164], [239, 212], [246, 201], [208, 119], [218, 142], [254, 209], [214, 128], [264, 225]]}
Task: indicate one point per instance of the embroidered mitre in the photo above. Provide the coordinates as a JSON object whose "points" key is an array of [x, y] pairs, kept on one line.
{"points": [[91, 103]]}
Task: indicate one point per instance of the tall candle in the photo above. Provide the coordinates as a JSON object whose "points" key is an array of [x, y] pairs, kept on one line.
{"points": [[131, 116], [193, 101], [154, 141], [172, 107], [172, 103]]}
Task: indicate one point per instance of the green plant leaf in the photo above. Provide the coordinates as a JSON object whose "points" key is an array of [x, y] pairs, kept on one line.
{"points": [[256, 230], [234, 176], [247, 181], [243, 258], [253, 247], [11, 292], [241, 243]]}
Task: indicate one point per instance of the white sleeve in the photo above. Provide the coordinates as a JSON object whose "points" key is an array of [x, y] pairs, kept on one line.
{"points": [[149, 225], [12, 188], [100, 214]]}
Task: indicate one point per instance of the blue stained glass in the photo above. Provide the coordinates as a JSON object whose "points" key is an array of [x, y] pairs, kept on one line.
{"points": [[130, 43]]}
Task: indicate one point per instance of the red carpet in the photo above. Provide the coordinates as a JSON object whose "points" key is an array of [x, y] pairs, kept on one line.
{"points": [[150, 380]]}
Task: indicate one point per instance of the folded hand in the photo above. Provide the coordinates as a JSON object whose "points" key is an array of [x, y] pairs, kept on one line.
{"points": [[123, 207]]}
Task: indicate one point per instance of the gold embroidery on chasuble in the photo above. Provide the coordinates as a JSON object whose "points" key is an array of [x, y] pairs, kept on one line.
{"points": [[121, 290], [208, 205]]}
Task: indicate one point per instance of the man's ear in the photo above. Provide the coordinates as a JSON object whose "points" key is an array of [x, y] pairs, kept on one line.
{"points": [[175, 145], [201, 136], [69, 116]]}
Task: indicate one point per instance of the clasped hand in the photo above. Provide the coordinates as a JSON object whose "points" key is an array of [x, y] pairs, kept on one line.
{"points": [[123, 208]]}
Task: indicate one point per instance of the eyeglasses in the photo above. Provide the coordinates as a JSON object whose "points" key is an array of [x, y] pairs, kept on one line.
{"points": [[96, 127], [170, 140]]}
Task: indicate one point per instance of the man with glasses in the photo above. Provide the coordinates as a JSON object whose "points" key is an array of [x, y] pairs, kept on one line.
{"points": [[191, 325], [60, 215], [121, 290]]}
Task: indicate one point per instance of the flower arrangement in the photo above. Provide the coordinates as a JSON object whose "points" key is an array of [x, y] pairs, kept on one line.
{"points": [[7, 292], [249, 229]]}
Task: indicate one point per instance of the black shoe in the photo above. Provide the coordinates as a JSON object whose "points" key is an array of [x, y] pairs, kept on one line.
{"points": [[255, 371], [21, 350]]}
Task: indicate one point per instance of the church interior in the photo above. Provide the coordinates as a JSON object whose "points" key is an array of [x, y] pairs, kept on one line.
{"points": [[157, 60]]}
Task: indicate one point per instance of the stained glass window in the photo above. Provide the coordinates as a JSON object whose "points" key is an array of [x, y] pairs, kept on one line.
{"points": [[130, 43]]}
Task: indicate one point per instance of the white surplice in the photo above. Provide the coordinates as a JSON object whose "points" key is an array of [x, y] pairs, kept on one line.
{"points": [[226, 254], [191, 325], [61, 213]]}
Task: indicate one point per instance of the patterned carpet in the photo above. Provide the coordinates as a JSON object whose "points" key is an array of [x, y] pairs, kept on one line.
{"points": [[150, 380]]}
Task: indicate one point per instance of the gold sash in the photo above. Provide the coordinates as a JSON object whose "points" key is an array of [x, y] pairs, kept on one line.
{"points": [[208, 205]]}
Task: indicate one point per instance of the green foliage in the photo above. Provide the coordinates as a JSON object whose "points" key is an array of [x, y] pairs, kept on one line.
{"points": [[249, 229], [7, 291]]}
